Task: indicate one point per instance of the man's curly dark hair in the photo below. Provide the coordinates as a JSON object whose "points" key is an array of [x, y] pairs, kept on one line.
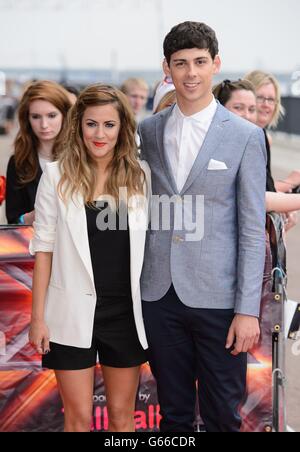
{"points": [[190, 35]]}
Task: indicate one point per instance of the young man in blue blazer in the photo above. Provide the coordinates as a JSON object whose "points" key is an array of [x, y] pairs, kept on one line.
{"points": [[201, 288]]}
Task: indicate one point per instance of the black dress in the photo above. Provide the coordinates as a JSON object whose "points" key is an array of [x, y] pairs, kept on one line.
{"points": [[110, 255], [114, 319], [115, 337]]}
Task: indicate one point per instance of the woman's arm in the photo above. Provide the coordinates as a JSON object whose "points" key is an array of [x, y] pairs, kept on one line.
{"points": [[42, 246], [282, 202], [288, 184], [39, 333]]}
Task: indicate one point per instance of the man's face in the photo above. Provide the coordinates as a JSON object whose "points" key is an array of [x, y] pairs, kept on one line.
{"points": [[192, 72], [138, 98]]}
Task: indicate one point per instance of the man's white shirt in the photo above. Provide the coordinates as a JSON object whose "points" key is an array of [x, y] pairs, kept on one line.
{"points": [[183, 139]]}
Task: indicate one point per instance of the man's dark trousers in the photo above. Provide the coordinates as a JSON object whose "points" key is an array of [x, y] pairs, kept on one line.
{"points": [[185, 345]]}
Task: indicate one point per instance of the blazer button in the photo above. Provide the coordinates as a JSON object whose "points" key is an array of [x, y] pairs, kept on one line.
{"points": [[177, 239]]}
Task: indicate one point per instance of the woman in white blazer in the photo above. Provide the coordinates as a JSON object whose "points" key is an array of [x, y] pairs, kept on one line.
{"points": [[86, 283]]}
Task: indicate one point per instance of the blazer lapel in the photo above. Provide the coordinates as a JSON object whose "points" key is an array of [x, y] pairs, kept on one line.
{"points": [[160, 129], [77, 224], [138, 224], [212, 140]]}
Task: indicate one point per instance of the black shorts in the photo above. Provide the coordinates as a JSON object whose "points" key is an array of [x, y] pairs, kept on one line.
{"points": [[115, 340]]}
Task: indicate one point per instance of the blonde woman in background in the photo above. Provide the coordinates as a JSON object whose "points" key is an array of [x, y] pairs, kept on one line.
{"points": [[269, 112], [239, 97]]}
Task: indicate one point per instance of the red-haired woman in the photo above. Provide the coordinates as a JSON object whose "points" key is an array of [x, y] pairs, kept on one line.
{"points": [[42, 113]]}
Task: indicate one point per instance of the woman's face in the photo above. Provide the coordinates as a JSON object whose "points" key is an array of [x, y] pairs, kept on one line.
{"points": [[45, 120], [243, 103], [100, 129], [266, 104]]}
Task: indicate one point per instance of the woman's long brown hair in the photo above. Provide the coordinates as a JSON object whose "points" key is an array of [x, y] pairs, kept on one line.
{"points": [[77, 167], [26, 143]]}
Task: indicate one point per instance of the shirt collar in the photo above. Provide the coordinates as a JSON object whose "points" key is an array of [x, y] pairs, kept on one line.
{"points": [[202, 116]]}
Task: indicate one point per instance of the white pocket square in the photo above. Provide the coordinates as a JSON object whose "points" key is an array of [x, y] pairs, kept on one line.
{"points": [[215, 165]]}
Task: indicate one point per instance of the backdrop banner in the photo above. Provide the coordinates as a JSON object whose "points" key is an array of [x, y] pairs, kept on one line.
{"points": [[29, 400]]}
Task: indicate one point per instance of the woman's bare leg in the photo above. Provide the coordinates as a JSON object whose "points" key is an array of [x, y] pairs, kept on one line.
{"points": [[121, 387], [76, 389]]}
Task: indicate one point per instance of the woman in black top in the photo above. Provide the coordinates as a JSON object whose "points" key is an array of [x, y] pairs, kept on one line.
{"points": [[42, 113], [99, 159]]}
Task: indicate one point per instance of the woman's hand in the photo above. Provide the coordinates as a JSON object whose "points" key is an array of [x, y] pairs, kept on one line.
{"points": [[29, 218], [39, 336], [291, 221]]}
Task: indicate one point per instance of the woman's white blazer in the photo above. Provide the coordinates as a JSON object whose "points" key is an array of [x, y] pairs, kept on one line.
{"points": [[61, 229]]}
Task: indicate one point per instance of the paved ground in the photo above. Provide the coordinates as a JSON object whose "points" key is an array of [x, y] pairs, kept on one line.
{"points": [[286, 157]]}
